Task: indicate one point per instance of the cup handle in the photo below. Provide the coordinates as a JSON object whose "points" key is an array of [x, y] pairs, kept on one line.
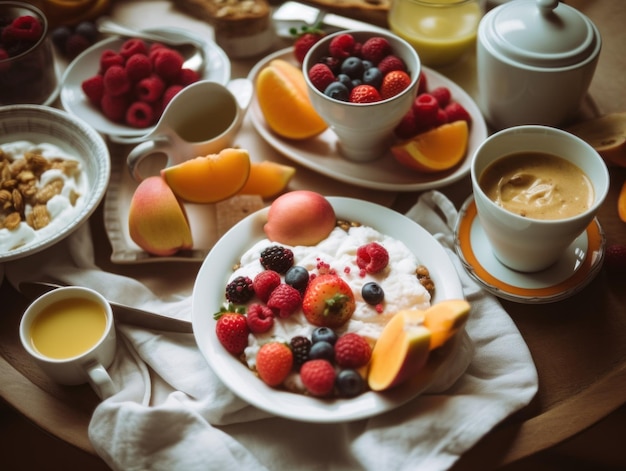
{"points": [[143, 150], [100, 380]]}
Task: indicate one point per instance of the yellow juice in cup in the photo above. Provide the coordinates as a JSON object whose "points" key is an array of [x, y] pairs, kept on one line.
{"points": [[441, 31]]}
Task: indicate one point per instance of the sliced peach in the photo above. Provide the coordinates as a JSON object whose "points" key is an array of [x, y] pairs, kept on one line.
{"points": [[211, 178], [157, 221], [435, 150], [445, 319], [284, 101], [267, 179]]}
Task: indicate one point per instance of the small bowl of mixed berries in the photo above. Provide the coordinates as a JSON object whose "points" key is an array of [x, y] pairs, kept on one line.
{"points": [[362, 83], [28, 72]]}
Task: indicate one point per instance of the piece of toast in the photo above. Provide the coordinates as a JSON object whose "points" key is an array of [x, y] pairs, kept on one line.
{"points": [[230, 17]]}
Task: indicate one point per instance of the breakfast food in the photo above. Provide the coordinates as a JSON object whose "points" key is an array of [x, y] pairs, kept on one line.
{"points": [[134, 84], [267, 179], [42, 188], [70, 41], [329, 303]]}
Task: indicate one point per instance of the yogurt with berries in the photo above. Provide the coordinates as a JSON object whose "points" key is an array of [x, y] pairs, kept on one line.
{"points": [[337, 254]]}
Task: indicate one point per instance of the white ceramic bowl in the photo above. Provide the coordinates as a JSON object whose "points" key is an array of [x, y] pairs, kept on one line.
{"points": [[364, 130], [42, 124]]}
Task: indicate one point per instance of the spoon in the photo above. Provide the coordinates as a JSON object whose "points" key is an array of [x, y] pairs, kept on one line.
{"points": [[121, 312], [191, 50]]}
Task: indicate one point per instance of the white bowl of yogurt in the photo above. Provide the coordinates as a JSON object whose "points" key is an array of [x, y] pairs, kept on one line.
{"points": [[54, 169]]}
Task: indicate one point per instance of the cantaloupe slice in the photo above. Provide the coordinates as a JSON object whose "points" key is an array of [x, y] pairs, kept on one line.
{"points": [[444, 320]]}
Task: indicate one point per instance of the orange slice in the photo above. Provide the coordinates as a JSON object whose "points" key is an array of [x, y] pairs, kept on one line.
{"points": [[267, 179]]}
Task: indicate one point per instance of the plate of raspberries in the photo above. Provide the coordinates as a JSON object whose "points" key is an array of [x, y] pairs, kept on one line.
{"points": [[121, 86]]}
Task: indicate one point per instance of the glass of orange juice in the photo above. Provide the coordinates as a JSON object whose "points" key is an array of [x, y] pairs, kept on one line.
{"points": [[441, 31]]}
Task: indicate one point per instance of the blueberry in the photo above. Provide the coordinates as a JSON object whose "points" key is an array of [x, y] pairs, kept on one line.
{"points": [[346, 80], [367, 65], [352, 66], [324, 334], [298, 277], [88, 30], [322, 350], [372, 293], [349, 383], [373, 76], [60, 35], [357, 82], [338, 91]]}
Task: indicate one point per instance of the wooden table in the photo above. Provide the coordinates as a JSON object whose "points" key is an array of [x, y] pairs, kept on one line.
{"points": [[578, 345]]}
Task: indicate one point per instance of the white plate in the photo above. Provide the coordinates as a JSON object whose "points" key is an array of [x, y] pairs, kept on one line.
{"points": [[208, 296], [579, 264], [87, 63], [320, 153]]}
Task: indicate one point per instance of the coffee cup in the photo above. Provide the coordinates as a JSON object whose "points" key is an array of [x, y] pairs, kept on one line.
{"points": [[519, 241], [201, 119], [70, 334]]}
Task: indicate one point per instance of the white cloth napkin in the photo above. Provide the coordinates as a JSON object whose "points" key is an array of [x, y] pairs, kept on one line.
{"points": [[172, 412]]}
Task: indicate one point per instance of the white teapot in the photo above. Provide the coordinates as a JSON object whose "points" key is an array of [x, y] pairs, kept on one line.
{"points": [[535, 61]]}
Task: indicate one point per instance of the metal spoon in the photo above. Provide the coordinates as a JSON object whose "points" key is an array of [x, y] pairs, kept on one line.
{"points": [[191, 50]]}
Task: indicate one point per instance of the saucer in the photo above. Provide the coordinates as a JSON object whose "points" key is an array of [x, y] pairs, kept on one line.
{"points": [[579, 264]]}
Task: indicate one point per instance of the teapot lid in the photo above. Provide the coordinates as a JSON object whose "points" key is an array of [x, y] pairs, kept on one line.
{"points": [[541, 33]]}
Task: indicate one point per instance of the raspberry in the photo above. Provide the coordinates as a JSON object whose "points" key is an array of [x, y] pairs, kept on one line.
{"points": [[277, 258], [442, 117], [116, 81], [352, 351], [615, 261], [375, 49], [274, 362], [93, 87], [264, 283], [300, 346], [423, 84], [456, 112], [114, 107], [24, 27], [150, 89], [109, 58], [442, 95], [318, 377], [240, 290], [364, 94], [305, 41], [167, 63], [76, 44], [372, 257], [138, 66], [321, 76], [341, 46], [391, 62], [407, 127], [169, 93], [425, 108], [139, 115], [260, 318], [284, 300], [133, 46], [187, 77]]}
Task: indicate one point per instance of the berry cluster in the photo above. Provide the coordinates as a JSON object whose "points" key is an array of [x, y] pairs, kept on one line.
{"points": [[71, 41], [431, 108], [18, 35], [357, 72], [134, 85]]}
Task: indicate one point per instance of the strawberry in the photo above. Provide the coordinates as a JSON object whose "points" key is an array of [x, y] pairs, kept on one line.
{"points": [[318, 377], [615, 261], [274, 362], [232, 330], [328, 301], [352, 351], [364, 94], [305, 38], [394, 83]]}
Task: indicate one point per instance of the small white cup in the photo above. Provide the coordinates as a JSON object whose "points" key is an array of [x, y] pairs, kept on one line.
{"points": [[85, 366], [522, 243], [201, 119]]}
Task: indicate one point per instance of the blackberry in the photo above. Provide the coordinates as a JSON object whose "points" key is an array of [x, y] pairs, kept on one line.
{"points": [[300, 347], [240, 290], [277, 258]]}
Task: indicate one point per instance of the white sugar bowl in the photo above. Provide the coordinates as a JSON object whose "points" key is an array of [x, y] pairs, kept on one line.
{"points": [[535, 61]]}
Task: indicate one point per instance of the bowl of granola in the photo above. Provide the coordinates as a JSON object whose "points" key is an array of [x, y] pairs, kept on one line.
{"points": [[54, 171]]}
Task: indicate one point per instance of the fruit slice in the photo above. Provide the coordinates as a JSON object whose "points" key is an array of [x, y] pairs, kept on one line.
{"points": [[157, 222], [400, 352], [435, 150], [211, 178], [607, 135], [267, 179], [621, 203], [284, 101], [444, 320]]}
